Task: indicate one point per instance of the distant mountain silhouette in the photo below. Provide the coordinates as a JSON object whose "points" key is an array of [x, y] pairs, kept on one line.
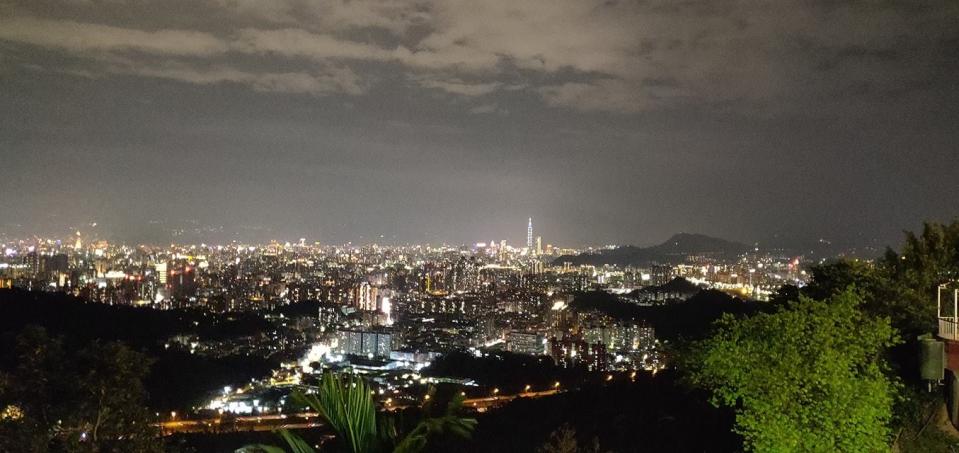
{"points": [[674, 250]]}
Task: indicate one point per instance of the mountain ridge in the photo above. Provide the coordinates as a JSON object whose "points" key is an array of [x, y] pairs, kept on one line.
{"points": [[673, 250]]}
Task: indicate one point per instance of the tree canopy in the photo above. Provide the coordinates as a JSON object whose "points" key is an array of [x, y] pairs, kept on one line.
{"points": [[900, 285], [809, 377], [85, 401]]}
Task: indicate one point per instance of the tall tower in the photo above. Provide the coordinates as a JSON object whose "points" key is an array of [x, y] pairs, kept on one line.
{"points": [[529, 235]]}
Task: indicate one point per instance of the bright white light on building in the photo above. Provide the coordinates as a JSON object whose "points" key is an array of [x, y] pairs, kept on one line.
{"points": [[316, 354]]}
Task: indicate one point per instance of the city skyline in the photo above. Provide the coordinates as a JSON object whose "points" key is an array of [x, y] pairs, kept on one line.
{"points": [[447, 122], [378, 226], [205, 236]]}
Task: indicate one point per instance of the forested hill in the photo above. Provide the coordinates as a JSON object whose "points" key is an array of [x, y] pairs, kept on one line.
{"points": [[690, 319], [674, 250]]}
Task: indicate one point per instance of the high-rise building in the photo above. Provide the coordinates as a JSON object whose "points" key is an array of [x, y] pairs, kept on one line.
{"points": [[161, 269], [32, 261], [661, 274], [364, 297], [182, 282], [574, 352], [51, 265], [526, 343], [529, 235], [368, 343], [539, 245]]}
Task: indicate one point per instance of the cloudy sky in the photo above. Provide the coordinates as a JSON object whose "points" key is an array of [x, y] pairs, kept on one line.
{"points": [[607, 121]]}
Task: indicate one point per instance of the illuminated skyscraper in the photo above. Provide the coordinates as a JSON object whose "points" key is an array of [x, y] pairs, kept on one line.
{"points": [[529, 235], [364, 297], [161, 272]]}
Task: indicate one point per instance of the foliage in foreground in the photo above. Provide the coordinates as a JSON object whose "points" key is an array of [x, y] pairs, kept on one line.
{"points": [[807, 378], [345, 402], [86, 401], [563, 440], [900, 285]]}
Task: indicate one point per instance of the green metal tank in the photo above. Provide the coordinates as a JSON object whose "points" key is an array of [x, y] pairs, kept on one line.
{"points": [[932, 358]]}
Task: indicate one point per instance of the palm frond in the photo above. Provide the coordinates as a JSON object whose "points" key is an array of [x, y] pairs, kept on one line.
{"points": [[346, 404], [296, 443]]}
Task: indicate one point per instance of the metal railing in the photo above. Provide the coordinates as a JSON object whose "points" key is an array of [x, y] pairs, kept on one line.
{"points": [[948, 325], [948, 328]]}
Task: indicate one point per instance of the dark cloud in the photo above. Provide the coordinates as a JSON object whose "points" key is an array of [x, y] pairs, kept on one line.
{"points": [[618, 121]]}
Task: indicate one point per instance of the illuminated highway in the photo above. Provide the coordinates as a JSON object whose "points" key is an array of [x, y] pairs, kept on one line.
{"points": [[267, 422], [270, 422]]}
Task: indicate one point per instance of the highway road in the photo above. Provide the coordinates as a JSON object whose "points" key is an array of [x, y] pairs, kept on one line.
{"points": [[270, 422]]}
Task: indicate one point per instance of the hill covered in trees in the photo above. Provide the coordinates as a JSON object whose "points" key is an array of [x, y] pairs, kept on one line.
{"points": [[689, 319], [176, 378], [674, 250]]}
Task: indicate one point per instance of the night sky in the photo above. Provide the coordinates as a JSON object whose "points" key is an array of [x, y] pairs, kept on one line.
{"points": [[429, 121]]}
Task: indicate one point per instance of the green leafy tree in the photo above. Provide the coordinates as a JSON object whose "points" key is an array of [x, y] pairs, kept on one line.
{"points": [[923, 263], [346, 403], [809, 377], [880, 294], [89, 401], [33, 396], [110, 400], [901, 285]]}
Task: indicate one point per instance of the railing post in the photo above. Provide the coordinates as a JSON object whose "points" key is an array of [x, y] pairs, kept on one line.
{"points": [[939, 301]]}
